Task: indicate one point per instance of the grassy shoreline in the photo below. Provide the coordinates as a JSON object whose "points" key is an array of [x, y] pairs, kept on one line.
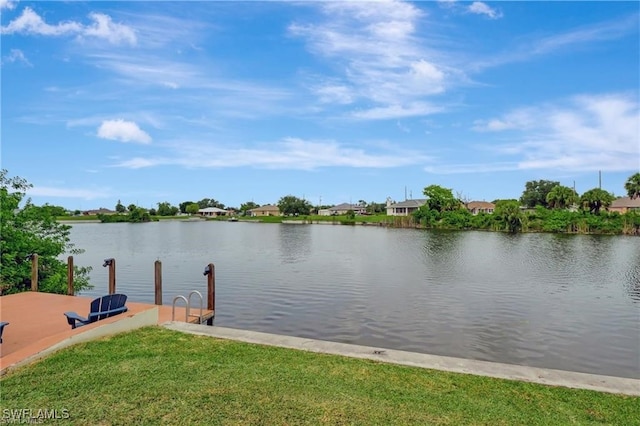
{"points": [[154, 375]]}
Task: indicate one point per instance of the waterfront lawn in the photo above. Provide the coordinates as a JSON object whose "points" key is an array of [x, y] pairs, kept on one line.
{"points": [[154, 375]]}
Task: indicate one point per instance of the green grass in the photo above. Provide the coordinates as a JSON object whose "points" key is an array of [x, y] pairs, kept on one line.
{"points": [[154, 376], [78, 218]]}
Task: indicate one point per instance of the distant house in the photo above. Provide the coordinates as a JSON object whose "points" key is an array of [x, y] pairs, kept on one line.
{"points": [[624, 204], [268, 210], [101, 210], [404, 208], [476, 207], [212, 211], [344, 208]]}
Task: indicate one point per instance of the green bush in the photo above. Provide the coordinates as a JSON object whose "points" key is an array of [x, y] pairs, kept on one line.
{"points": [[28, 230]]}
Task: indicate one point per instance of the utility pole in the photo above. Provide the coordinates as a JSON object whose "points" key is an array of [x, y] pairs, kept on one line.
{"points": [[600, 179]]}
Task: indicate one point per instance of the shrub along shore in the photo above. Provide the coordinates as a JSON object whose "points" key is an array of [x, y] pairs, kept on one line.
{"points": [[539, 219], [154, 375]]}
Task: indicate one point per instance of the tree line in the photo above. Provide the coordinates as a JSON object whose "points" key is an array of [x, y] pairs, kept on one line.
{"points": [[289, 205], [544, 206]]}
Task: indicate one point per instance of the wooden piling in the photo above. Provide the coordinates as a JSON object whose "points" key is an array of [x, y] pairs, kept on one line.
{"points": [[34, 272], [70, 291], [112, 276], [158, 282], [211, 291]]}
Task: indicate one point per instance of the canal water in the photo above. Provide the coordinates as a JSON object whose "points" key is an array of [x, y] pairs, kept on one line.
{"points": [[569, 302]]}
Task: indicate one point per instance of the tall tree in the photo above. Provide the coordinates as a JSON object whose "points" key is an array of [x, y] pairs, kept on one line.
{"points": [[632, 186], [33, 229], [374, 207], [54, 210], [536, 191], [508, 215], [210, 202], [291, 206], [440, 199], [192, 208], [138, 215], [561, 197], [596, 199], [249, 205], [183, 206], [166, 209], [120, 208]]}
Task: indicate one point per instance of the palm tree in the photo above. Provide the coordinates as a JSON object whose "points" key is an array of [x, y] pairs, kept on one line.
{"points": [[508, 214], [633, 186], [561, 197], [595, 199]]}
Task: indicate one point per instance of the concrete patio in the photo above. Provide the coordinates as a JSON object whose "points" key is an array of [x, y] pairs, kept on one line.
{"points": [[37, 325]]}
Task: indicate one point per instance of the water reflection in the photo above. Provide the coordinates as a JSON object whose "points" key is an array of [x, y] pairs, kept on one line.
{"points": [[294, 242]]}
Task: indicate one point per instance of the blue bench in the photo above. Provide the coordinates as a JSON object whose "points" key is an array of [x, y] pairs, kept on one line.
{"points": [[101, 308], [2, 324]]}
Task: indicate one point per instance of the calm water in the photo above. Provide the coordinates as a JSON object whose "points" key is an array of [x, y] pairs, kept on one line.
{"points": [[565, 302]]}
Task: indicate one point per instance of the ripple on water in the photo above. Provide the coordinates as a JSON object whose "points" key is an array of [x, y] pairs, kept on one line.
{"points": [[568, 302]]}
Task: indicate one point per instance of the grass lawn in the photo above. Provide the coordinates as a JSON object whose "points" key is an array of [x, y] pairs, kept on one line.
{"points": [[154, 376]]}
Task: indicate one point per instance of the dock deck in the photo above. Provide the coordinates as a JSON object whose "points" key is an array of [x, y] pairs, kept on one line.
{"points": [[37, 325]]}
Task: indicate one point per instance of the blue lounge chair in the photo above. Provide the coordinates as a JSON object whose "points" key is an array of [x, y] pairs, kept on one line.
{"points": [[101, 308], [2, 324]]}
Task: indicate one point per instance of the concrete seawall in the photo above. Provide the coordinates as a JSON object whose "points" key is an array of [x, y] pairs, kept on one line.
{"points": [[544, 376]]}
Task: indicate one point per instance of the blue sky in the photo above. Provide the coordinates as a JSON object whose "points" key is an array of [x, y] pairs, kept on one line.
{"points": [[147, 102]]}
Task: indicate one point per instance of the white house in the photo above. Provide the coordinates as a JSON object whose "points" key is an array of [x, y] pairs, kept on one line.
{"points": [[404, 208], [212, 211]]}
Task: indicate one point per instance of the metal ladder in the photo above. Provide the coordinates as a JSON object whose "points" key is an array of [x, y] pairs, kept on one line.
{"points": [[187, 301]]}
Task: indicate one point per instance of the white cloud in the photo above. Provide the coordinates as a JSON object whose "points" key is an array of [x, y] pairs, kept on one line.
{"points": [[451, 169], [289, 154], [589, 132], [103, 27], [334, 93], [16, 55], [123, 131], [255, 99], [447, 3], [481, 8], [403, 128], [603, 31], [29, 22], [7, 4], [519, 119], [378, 57], [414, 109], [87, 194], [528, 49]]}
